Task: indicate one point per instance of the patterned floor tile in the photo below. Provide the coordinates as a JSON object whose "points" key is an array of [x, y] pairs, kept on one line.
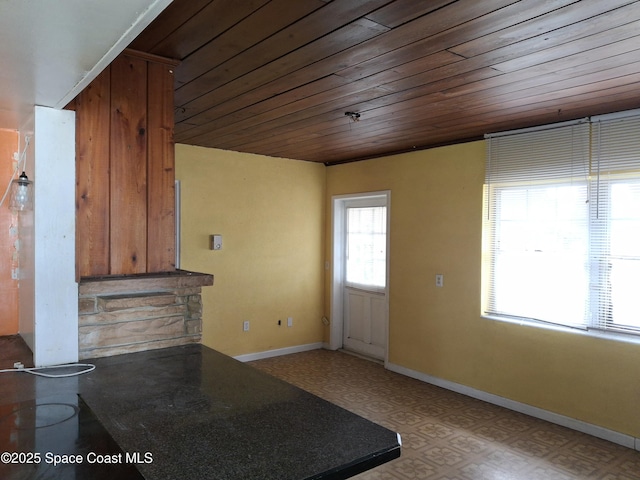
{"points": [[448, 436]]}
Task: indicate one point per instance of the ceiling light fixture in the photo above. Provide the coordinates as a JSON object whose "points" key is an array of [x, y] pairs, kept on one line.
{"points": [[354, 116]]}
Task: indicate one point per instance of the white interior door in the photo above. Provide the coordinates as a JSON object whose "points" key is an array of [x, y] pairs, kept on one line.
{"points": [[364, 294]]}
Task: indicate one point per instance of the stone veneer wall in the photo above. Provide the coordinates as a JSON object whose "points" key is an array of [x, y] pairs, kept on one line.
{"points": [[139, 312]]}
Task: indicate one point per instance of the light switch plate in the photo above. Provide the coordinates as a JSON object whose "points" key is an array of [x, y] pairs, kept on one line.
{"points": [[216, 242]]}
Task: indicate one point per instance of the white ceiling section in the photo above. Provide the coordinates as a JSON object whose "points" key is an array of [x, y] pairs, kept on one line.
{"points": [[51, 50]]}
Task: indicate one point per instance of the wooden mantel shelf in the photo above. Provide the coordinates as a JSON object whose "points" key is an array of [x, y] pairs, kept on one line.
{"points": [[138, 282]]}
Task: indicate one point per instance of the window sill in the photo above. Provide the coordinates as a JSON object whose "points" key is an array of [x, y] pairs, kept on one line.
{"points": [[614, 336]]}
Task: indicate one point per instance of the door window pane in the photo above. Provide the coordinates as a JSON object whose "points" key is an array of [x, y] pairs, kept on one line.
{"points": [[366, 246]]}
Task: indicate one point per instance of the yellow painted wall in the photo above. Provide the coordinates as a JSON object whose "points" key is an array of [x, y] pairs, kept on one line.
{"points": [[436, 227], [270, 213]]}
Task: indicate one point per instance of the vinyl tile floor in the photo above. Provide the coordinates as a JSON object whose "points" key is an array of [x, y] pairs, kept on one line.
{"points": [[449, 436]]}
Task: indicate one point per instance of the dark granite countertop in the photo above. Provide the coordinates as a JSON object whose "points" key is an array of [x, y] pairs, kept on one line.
{"points": [[200, 414]]}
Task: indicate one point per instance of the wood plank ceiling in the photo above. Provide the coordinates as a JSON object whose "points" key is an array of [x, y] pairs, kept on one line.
{"points": [[275, 77]]}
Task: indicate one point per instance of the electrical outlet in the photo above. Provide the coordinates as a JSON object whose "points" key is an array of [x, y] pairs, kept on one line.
{"points": [[245, 326], [290, 322], [439, 280]]}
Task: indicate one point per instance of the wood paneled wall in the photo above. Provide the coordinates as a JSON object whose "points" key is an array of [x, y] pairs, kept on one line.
{"points": [[125, 219]]}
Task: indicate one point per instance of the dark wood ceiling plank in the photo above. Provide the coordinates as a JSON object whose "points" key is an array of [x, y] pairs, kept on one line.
{"points": [[358, 104], [271, 89], [172, 17], [439, 111], [610, 103], [480, 26], [346, 135], [275, 77], [356, 137], [354, 33], [611, 36], [595, 82], [323, 126], [449, 118], [431, 112], [258, 26], [512, 52], [481, 107], [361, 133], [452, 121], [613, 51], [444, 19], [591, 103], [392, 103], [576, 65], [398, 58], [523, 84], [502, 54], [279, 108], [405, 137], [217, 18], [403, 11], [295, 116], [398, 110], [197, 78], [232, 114], [550, 24], [560, 71]]}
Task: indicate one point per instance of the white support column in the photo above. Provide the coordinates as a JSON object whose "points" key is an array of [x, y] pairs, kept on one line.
{"points": [[49, 277]]}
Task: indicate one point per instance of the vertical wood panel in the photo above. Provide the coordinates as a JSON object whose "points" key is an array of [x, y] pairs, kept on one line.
{"points": [[125, 196], [160, 168], [92, 177], [128, 165]]}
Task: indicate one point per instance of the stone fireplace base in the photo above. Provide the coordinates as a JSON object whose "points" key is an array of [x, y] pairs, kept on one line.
{"points": [[132, 313]]}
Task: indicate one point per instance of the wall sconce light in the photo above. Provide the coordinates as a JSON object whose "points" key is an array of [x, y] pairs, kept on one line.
{"points": [[21, 188], [21, 194]]}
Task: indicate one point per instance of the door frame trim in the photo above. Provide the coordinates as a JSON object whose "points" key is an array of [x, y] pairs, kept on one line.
{"points": [[338, 207]]}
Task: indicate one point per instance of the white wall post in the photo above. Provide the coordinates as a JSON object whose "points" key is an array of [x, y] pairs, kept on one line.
{"points": [[48, 289]]}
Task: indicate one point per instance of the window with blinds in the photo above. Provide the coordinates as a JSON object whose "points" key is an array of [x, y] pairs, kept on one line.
{"points": [[562, 224], [615, 223]]}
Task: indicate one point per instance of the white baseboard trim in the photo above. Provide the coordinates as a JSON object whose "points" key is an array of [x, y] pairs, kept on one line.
{"points": [[584, 427], [249, 357]]}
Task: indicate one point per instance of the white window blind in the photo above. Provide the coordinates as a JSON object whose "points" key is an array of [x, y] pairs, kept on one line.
{"points": [[615, 224], [562, 224], [537, 226]]}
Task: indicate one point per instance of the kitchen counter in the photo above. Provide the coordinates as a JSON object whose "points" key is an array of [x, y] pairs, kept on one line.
{"points": [[191, 412]]}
